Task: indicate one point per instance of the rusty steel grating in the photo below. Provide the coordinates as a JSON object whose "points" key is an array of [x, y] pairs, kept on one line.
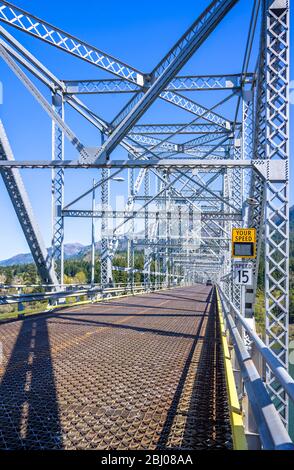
{"points": [[143, 372]]}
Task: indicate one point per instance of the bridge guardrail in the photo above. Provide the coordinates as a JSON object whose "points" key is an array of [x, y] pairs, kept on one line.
{"points": [[272, 432], [277, 369], [90, 292]]}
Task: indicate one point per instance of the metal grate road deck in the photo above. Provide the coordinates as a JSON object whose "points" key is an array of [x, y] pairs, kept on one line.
{"points": [[141, 372]]}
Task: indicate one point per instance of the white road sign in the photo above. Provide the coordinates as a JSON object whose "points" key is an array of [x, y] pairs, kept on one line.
{"points": [[243, 274]]}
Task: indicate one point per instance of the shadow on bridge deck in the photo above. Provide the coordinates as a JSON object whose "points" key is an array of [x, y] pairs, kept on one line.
{"points": [[116, 375], [29, 413], [205, 409]]}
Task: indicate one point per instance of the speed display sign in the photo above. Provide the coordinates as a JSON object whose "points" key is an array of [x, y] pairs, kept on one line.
{"points": [[243, 273], [244, 243]]}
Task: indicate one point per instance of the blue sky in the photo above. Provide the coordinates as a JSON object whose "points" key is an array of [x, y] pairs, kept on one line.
{"points": [[135, 32]]}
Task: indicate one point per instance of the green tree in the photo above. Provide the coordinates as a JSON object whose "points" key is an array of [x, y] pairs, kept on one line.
{"points": [[9, 277]]}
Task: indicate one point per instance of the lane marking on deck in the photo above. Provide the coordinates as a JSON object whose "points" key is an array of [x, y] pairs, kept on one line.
{"points": [[77, 340]]}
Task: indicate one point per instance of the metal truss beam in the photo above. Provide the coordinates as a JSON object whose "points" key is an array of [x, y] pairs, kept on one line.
{"points": [[24, 62], [168, 68], [163, 163], [151, 214], [193, 128], [185, 83], [23, 20], [30, 24], [55, 83], [194, 108], [22, 206], [43, 102], [197, 147]]}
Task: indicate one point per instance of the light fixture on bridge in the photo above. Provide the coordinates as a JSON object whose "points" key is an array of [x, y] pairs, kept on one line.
{"points": [[119, 179], [252, 202]]}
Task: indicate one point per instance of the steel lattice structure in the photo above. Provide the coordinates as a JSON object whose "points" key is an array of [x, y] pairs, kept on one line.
{"points": [[189, 182]]}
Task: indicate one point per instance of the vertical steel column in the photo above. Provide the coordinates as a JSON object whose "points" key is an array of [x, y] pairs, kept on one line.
{"points": [[106, 265], [237, 180], [227, 227], [229, 197], [159, 186], [180, 231], [168, 234], [146, 228], [169, 250], [156, 238], [93, 237], [58, 191], [277, 192], [131, 181], [247, 146], [165, 259], [190, 240], [247, 154], [237, 200]]}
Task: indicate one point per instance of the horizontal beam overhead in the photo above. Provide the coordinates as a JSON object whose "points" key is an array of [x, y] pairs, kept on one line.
{"points": [[103, 163], [172, 215], [192, 128], [181, 83]]}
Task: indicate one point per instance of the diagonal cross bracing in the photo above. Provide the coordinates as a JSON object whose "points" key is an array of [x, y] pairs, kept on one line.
{"points": [[19, 198], [20, 19], [168, 68]]}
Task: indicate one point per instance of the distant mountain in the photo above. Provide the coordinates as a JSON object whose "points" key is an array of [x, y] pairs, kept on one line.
{"points": [[71, 250], [25, 258]]}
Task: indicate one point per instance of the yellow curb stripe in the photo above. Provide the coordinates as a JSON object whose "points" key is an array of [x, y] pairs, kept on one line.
{"points": [[236, 416]]}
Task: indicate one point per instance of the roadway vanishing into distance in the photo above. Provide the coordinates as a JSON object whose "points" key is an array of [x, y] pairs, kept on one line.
{"points": [[140, 372]]}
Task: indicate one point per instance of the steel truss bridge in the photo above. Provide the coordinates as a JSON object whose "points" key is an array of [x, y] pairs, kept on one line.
{"points": [[189, 184]]}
